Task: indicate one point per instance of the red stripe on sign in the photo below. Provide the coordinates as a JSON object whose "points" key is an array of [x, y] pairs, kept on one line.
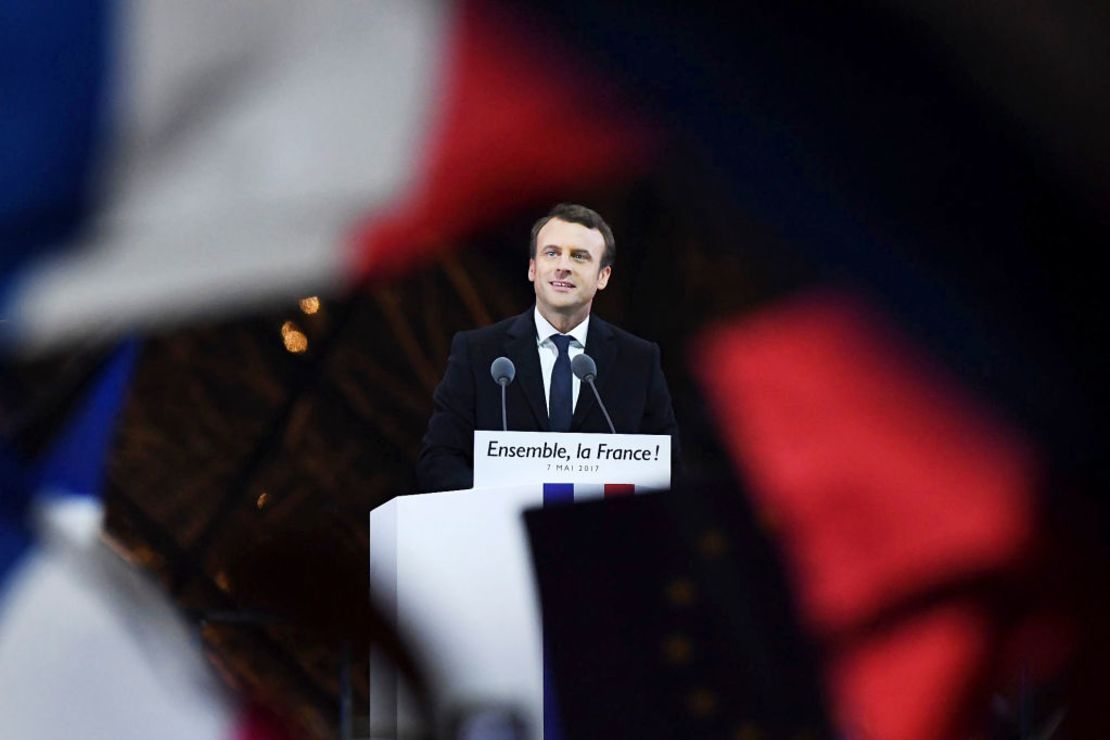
{"points": [[619, 489]]}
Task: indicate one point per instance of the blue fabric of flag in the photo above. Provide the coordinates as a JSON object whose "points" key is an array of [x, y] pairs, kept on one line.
{"points": [[75, 462], [73, 465], [53, 82]]}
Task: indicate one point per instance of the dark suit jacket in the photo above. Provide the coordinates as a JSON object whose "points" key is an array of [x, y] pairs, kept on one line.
{"points": [[629, 379]]}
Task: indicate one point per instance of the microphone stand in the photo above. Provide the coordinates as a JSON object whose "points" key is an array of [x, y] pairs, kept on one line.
{"points": [[590, 380], [504, 414]]}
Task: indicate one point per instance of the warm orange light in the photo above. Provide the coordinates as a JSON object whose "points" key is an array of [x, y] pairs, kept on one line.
{"points": [[712, 544], [310, 305], [263, 499], [677, 649], [294, 339], [681, 592], [701, 702]]}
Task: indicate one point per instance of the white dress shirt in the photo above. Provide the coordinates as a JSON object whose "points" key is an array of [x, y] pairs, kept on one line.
{"points": [[549, 352]]}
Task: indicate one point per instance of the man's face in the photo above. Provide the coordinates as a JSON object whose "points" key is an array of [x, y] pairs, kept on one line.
{"points": [[566, 270]]}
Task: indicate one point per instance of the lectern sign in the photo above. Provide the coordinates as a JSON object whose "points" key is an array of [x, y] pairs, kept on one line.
{"points": [[453, 567], [509, 458]]}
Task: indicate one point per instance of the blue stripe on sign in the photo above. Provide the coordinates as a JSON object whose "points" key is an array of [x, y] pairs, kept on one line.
{"points": [[53, 78], [558, 493]]}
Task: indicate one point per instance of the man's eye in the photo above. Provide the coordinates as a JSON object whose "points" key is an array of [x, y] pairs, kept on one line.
{"points": [[580, 257]]}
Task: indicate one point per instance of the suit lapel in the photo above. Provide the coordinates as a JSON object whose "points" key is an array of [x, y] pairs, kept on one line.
{"points": [[520, 347], [601, 347]]}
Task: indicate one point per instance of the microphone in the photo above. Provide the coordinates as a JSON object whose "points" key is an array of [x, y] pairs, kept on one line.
{"points": [[503, 371], [584, 367]]}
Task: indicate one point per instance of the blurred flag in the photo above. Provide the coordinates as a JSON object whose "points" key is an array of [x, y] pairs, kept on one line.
{"points": [[174, 159], [89, 646], [905, 510]]}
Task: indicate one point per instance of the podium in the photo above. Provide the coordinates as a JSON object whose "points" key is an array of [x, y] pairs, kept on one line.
{"points": [[452, 568]]}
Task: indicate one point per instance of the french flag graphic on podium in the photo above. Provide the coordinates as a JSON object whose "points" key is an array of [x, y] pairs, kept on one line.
{"points": [[568, 493]]}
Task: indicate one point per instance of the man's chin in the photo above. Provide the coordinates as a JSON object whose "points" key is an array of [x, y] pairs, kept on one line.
{"points": [[563, 304]]}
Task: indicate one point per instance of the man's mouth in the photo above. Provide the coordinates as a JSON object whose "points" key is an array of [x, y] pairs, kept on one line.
{"points": [[562, 284]]}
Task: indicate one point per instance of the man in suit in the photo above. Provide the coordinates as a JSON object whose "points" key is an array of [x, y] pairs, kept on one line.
{"points": [[571, 258]]}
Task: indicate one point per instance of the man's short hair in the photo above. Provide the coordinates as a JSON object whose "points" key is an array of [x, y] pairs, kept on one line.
{"points": [[576, 214]]}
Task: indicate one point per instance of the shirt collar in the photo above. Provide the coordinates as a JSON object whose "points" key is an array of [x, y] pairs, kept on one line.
{"points": [[544, 329]]}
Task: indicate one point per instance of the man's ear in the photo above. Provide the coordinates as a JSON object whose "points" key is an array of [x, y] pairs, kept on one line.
{"points": [[531, 271], [603, 276]]}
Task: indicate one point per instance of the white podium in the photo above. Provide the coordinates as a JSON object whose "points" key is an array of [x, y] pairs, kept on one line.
{"points": [[453, 568]]}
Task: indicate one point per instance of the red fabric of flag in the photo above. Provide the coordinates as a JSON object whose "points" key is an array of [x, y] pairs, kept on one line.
{"points": [[883, 482], [519, 122]]}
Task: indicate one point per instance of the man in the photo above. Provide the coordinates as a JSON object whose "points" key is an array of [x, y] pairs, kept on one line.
{"points": [[571, 258]]}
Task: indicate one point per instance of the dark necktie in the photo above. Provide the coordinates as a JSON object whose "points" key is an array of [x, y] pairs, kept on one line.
{"points": [[560, 406]]}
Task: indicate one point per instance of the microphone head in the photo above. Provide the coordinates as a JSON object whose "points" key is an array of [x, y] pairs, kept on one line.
{"points": [[503, 371], [584, 367]]}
